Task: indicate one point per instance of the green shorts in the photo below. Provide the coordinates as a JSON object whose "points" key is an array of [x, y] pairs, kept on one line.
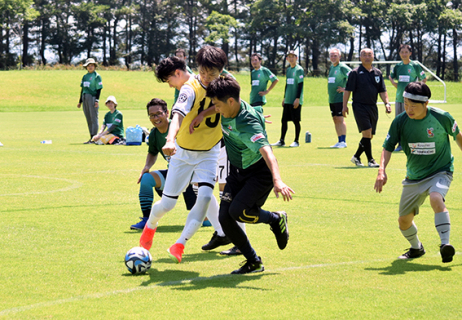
{"points": [[415, 192]]}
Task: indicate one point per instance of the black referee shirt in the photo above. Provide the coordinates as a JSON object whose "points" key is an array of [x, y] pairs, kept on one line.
{"points": [[365, 85]]}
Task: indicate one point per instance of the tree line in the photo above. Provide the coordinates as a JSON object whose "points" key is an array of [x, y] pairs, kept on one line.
{"points": [[142, 32]]}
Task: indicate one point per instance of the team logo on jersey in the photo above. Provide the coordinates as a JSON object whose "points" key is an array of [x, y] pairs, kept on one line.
{"points": [[430, 132], [259, 75], [230, 128], [388, 136], [377, 79], [454, 127], [257, 137], [408, 70], [182, 98], [118, 120]]}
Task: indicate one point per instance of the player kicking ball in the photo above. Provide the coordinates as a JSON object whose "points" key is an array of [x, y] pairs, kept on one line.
{"points": [[424, 135], [194, 157], [253, 172]]}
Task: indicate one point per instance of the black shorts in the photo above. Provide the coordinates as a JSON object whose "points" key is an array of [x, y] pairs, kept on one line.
{"points": [[366, 116], [290, 113], [336, 109], [256, 104], [250, 186], [189, 195]]}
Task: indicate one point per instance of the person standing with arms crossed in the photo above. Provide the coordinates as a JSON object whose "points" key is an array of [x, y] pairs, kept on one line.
{"points": [[338, 76], [91, 85], [366, 82], [293, 100], [405, 72], [424, 133]]}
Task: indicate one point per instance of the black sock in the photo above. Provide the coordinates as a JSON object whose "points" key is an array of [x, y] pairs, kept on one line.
{"points": [[297, 130], [360, 150], [367, 148], [283, 130]]}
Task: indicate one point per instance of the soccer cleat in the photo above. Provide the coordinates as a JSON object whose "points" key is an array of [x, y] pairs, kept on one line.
{"points": [[278, 144], [294, 144], [447, 252], [356, 161], [216, 241], [140, 225], [250, 267], [373, 164], [146, 237], [398, 149], [413, 253], [342, 145], [336, 145], [89, 142], [234, 251], [281, 230], [176, 251], [1, 144]]}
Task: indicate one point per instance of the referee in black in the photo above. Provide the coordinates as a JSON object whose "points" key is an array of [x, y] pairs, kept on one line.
{"points": [[366, 82]]}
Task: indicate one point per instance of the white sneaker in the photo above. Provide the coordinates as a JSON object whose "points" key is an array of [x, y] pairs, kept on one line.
{"points": [[357, 162], [1, 144], [294, 144], [278, 144], [342, 145], [373, 164], [336, 145]]}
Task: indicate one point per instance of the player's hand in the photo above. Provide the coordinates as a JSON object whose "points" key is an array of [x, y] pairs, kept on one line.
{"points": [[267, 121], [284, 190], [340, 89], [96, 138], [296, 103], [169, 149], [345, 111], [263, 93], [145, 170], [96, 104], [387, 108], [380, 181], [78, 105], [196, 121]]}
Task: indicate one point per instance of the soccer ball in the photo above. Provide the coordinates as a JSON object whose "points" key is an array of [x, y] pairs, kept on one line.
{"points": [[138, 260]]}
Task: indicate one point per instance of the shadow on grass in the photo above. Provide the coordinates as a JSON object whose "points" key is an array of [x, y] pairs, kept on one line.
{"points": [[398, 267], [161, 229]]}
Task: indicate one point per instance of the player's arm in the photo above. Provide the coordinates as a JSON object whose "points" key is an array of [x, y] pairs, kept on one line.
{"points": [[382, 175], [169, 148], [201, 116], [393, 82], [150, 160], [346, 97], [273, 84], [459, 140], [272, 163], [384, 97]]}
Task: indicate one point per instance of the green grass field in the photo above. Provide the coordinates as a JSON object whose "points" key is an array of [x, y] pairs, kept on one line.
{"points": [[66, 210]]}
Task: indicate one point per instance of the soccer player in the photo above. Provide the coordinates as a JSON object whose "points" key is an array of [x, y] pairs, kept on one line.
{"points": [[192, 155], [366, 82], [424, 135], [259, 80], [112, 130], [293, 99], [338, 76], [406, 71], [253, 172], [158, 115], [181, 53]]}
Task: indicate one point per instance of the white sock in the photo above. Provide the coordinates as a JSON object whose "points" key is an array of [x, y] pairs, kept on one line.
{"points": [[158, 210], [212, 215], [443, 226], [411, 236]]}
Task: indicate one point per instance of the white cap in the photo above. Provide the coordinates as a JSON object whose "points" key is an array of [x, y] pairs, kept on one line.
{"points": [[111, 98]]}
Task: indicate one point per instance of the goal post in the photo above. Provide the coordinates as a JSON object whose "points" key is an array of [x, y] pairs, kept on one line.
{"points": [[423, 67]]}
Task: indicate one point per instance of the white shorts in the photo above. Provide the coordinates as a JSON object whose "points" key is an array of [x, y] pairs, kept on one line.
{"points": [[190, 167], [223, 166]]}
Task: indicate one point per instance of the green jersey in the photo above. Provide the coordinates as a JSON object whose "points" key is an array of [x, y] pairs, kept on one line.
{"points": [[259, 81], [177, 92], [115, 122], [157, 141], [406, 73], [91, 82], [294, 76], [425, 142], [338, 76], [244, 135]]}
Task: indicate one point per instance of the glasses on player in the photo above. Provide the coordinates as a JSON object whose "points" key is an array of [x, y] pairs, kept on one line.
{"points": [[155, 115]]}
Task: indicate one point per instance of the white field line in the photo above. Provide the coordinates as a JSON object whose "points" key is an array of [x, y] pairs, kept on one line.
{"points": [[74, 184], [100, 295]]}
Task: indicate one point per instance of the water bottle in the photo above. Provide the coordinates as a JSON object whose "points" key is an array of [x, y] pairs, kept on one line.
{"points": [[307, 137], [46, 142]]}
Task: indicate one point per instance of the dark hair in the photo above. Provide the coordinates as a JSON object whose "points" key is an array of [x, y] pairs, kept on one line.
{"points": [[167, 68], [418, 88], [256, 55], [405, 46], [210, 58], [224, 88], [179, 50], [157, 102]]}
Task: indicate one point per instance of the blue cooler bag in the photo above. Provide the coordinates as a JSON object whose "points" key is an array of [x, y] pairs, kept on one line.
{"points": [[134, 136]]}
